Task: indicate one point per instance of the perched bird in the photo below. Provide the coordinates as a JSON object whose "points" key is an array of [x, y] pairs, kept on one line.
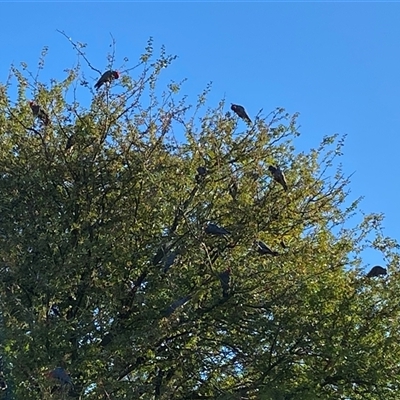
{"points": [[107, 339], [107, 77], [162, 252], [233, 189], [169, 261], [201, 173], [263, 249], [376, 271], [225, 278], [202, 170], [278, 175], [38, 112], [61, 376], [213, 229], [70, 143], [178, 303], [241, 112]]}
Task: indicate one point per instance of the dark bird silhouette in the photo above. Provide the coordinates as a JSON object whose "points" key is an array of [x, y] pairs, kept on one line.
{"points": [[169, 261], [162, 252], [70, 143], [240, 111], [278, 175], [107, 77], [225, 278], [38, 112], [107, 339], [233, 189], [61, 376], [201, 174], [212, 229], [263, 249], [202, 171], [178, 303], [376, 271]]}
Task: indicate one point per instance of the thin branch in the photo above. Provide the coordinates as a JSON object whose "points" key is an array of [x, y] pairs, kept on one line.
{"points": [[111, 57], [80, 52]]}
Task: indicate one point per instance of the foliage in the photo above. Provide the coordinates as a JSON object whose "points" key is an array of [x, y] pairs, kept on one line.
{"points": [[107, 271]]}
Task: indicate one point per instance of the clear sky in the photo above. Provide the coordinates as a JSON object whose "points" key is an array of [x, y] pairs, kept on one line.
{"points": [[338, 64]]}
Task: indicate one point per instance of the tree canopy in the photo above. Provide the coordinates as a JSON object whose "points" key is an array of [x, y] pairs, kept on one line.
{"points": [[113, 268]]}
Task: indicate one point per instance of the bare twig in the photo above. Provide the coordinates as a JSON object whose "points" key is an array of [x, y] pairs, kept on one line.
{"points": [[111, 57], [80, 52]]}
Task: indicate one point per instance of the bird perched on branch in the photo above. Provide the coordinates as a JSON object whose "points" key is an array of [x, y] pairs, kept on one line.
{"points": [[225, 278], [61, 376], [376, 271], [38, 112], [233, 189], [107, 77], [263, 249], [162, 253], [278, 175], [178, 303], [70, 143], [241, 112], [213, 229], [201, 174]]}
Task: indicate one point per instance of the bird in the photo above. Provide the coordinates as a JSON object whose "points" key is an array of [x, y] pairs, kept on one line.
{"points": [[39, 113], [213, 229], [202, 170], [278, 175], [107, 77], [233, 189], [376, 271], [225, 277], [169, 261], [70, 143], [177, 303], [201, 173], [240, 111], [263, 249], [162, 252], [61, 376]]}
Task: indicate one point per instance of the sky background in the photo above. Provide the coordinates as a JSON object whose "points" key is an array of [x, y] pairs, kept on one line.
{"points": [[338, 64]]}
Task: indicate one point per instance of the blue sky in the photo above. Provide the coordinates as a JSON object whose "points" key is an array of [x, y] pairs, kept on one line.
{"points": [[338, 64]]}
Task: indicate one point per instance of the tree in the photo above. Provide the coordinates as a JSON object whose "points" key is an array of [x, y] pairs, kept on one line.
{"points": [[86, 234]]}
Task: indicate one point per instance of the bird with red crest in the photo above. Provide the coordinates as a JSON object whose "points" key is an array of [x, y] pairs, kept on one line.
{"points": [[107, 78]]}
